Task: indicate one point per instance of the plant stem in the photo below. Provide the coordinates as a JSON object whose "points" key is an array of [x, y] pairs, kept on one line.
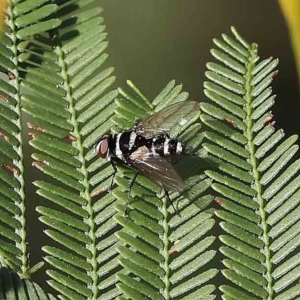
{"points": [[85, 182], [256, 174], [23, 245], [165, 251]]}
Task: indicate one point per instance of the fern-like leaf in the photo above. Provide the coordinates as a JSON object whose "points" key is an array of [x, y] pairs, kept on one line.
{"points": [[22, 22], [68, 98], [164, 256], [257, 179], [14, 287]]}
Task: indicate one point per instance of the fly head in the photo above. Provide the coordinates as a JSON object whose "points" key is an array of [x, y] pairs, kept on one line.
{"points": [[102, 147]]}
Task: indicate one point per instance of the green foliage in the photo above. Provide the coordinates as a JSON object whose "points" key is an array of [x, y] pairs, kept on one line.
{"points": [[67, 96], [257, 180], [52, 60], [24, 20], [164, 256], [14, 287]]}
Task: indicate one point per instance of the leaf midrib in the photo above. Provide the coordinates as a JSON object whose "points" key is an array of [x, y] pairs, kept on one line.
{"points": [[23, 244], [256, 174], [85, 182], [165, 251]]}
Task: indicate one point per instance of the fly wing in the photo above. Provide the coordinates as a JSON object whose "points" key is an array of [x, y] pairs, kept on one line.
{"points": [[163, 121], [157, 169]]}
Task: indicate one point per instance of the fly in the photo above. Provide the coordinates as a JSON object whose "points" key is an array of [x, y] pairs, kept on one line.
{"points": [[147, 146]]}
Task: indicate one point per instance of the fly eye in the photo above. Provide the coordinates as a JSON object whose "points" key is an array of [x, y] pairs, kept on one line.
{"points": [[102, 148]]}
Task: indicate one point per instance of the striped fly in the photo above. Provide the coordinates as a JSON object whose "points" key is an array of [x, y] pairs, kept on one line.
{"points": [[148, 145]]}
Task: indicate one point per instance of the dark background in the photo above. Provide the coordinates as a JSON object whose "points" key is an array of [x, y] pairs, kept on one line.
{"points": [[153, 42]]}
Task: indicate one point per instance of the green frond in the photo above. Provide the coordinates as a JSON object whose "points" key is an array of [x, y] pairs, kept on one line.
{"points": [[24, 19], [257, 179], [14, 287], [70, 98], [29, 18], [164, 256]]}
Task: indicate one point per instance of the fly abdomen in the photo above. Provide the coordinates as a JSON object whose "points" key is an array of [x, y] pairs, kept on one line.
{"points": [[128, 142], [165, 146]]}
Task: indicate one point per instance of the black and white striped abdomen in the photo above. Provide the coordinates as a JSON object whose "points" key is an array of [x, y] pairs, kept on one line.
{"points": [[127, 142], [165, 146]]}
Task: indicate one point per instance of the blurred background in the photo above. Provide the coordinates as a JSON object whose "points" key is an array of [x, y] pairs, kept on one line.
{"points": [[153, 42]]}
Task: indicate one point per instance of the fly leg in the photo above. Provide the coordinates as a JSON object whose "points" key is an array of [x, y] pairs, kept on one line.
{"points": [[169, 199], [114, 174], [129, 191]]}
